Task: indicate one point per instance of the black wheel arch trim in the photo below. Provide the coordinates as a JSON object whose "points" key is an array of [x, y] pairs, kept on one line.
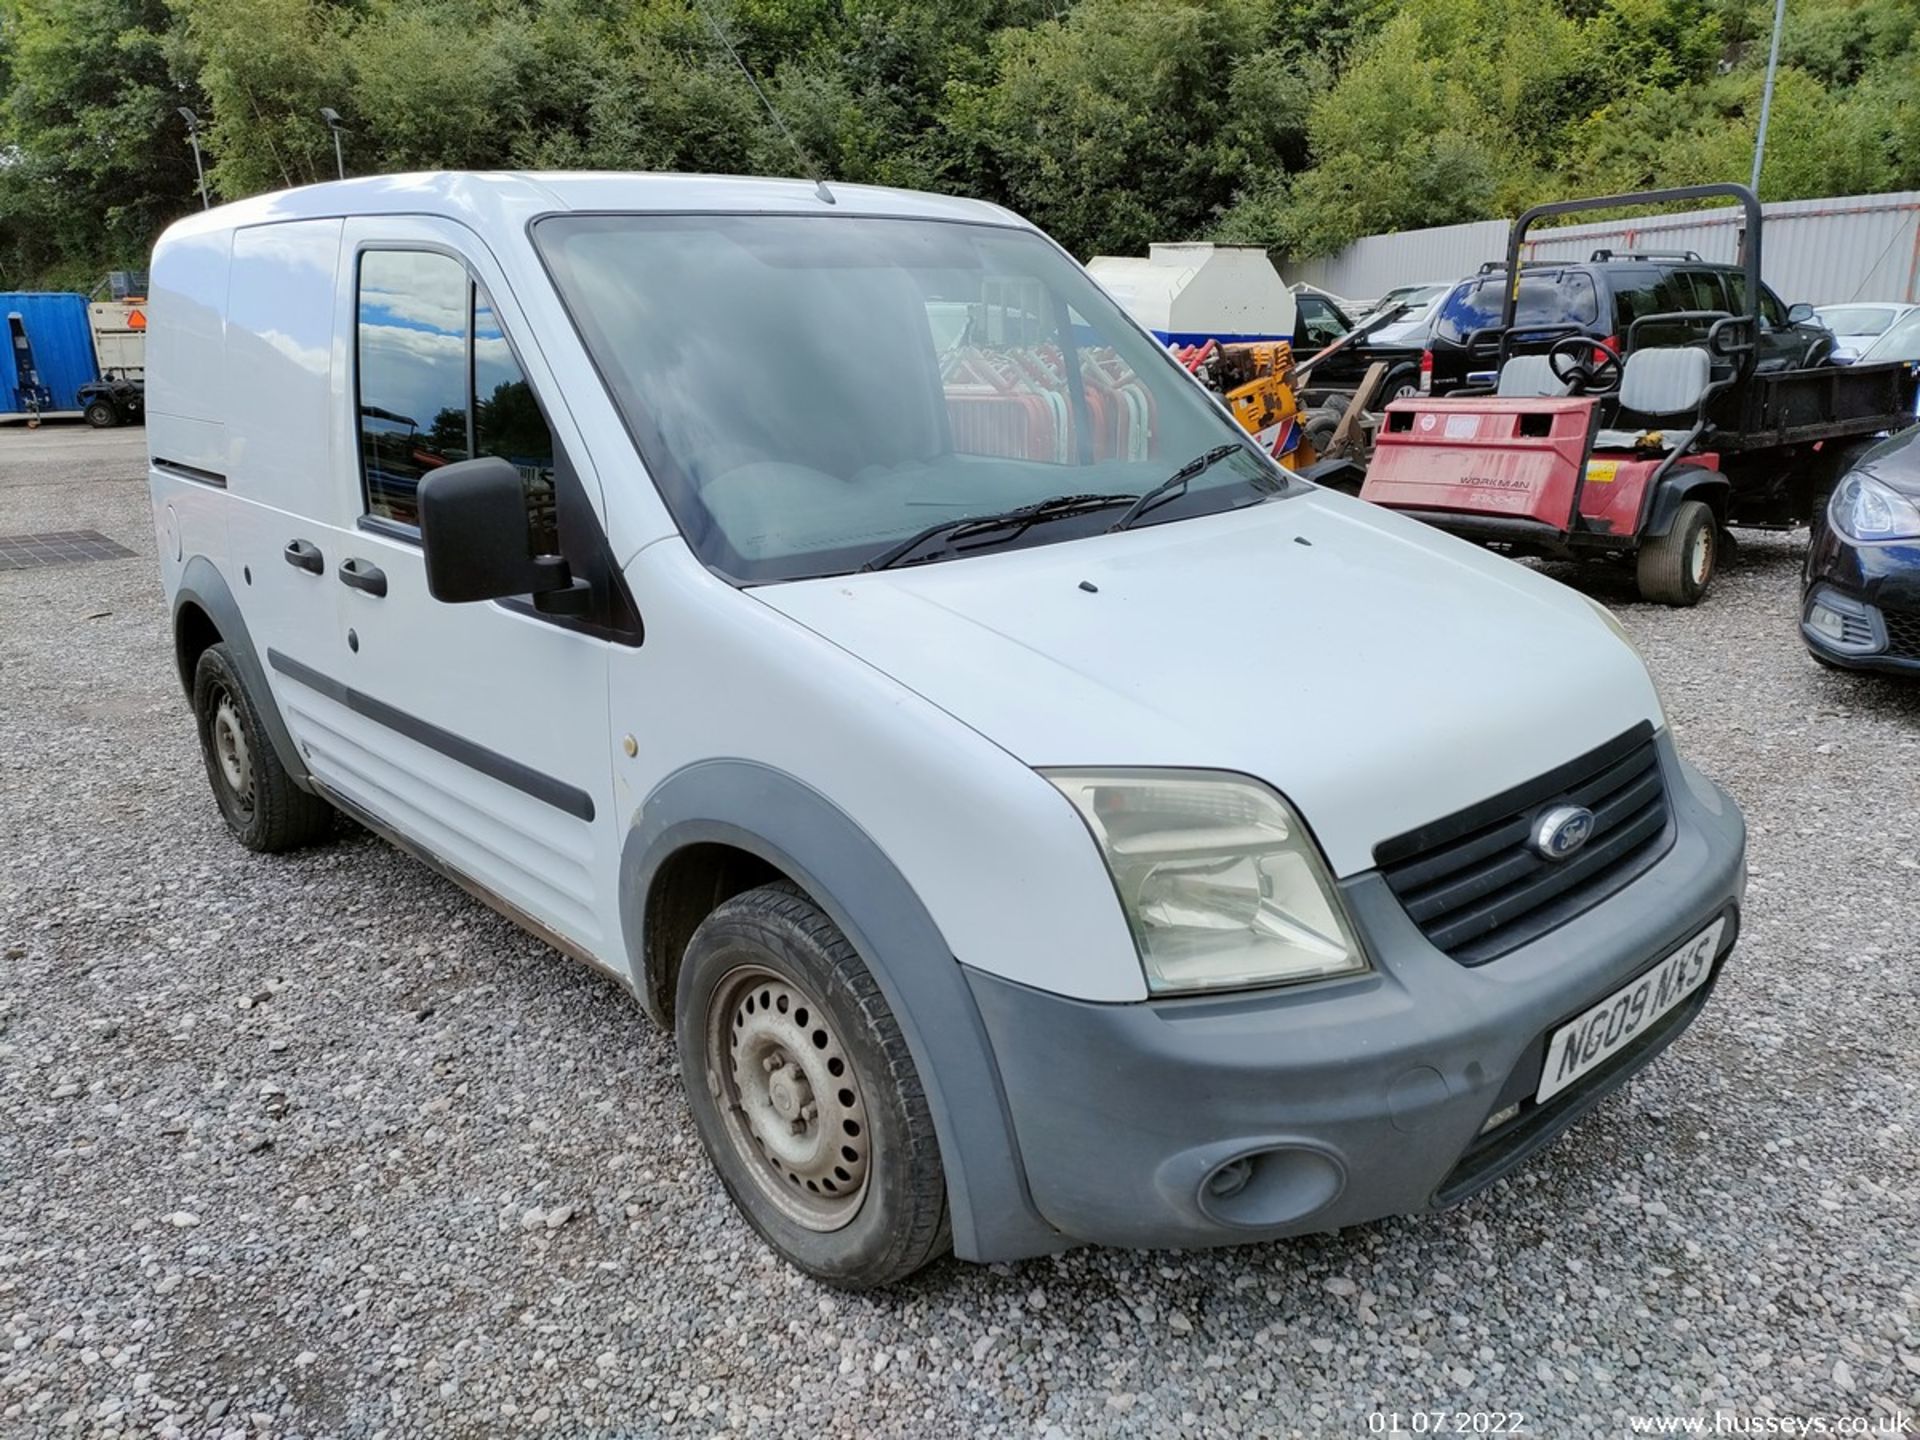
{"points": [[202, 585], [1681, 484], [800, 832]]}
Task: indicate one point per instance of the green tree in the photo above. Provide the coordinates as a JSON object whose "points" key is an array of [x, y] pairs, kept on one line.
{"points": [[267, 66], [1112, 126], [1298, 123], [438, 80], [1453, 111], [93, 160]]}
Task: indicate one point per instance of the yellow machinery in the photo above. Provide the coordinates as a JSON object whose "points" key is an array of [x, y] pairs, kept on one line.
{"points": [[1255, 378]]}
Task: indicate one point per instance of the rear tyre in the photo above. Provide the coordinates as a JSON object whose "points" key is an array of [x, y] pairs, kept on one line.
{"points": [[1678, 567], [101, 415], [805, 1095], [262, 806], [1400, 384]]}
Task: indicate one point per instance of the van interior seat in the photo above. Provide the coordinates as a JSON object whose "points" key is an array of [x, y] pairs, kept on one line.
{"points": [[1529, 377]]}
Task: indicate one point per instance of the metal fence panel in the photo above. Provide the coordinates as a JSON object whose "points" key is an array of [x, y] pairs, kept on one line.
{"points": [[1864, 247]]}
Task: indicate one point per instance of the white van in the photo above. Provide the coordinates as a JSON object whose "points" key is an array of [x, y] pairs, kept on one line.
{"points": [[1040, 819]]}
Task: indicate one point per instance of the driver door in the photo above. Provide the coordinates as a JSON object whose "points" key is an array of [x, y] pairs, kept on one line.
{"points": [[477, 731], [1777, 345]]}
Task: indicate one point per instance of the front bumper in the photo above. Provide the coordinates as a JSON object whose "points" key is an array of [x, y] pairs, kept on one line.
{"points": [[1877, 588], [1362, 1098]]}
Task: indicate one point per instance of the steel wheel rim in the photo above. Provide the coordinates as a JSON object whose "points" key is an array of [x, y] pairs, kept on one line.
{"points": [[1700, 560], [231, 751], [792, 1103]]}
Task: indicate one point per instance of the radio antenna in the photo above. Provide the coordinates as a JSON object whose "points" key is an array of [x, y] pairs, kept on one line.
{"points": [[806, 161]]}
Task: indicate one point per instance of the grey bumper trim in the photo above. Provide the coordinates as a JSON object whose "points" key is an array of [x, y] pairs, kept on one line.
{"points": [[1122, 1111]]}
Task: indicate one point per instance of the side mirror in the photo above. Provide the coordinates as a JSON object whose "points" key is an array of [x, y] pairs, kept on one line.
{"points": [[1799, 314], [478, 543]]}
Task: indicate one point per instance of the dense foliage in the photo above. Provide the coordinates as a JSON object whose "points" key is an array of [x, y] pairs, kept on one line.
{"points": [[1297, 123]]}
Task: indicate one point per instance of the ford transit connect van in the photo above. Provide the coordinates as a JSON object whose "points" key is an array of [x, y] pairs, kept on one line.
{"points": [[1039, 819]]}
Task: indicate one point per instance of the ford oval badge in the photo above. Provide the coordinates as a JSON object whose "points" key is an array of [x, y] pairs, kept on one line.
{"points": [[1561, 832]]}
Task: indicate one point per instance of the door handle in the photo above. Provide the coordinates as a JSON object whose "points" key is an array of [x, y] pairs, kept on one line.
{"points": [[304, 555], [362, 576]]}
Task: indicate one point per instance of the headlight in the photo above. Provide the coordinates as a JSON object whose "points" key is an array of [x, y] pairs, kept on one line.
{"points": [[1867, 510], [1222, 885]]}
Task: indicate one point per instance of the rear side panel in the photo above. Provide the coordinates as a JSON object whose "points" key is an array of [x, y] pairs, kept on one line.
{"points": [[186, 433], [1517, 459]]}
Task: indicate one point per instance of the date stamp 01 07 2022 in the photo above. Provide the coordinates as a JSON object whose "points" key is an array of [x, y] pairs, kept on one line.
{"points": [[1446, 1422]]}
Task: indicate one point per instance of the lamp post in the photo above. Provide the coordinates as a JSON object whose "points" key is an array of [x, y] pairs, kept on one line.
{"points": [[1766, 94], [336, 125], [193, 139]]}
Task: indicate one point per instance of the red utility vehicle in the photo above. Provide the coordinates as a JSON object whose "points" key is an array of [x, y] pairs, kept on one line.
{"points": [[1647, 451]]}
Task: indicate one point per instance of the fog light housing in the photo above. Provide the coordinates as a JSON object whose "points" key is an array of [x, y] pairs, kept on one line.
{"points": [[1230, 1179], [1842, 623], [1270, 1188]]}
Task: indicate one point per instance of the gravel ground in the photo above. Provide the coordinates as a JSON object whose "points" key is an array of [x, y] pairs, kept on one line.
{"points": [[318, 1146]]}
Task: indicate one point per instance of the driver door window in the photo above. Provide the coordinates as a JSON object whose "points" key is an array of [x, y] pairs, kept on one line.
{"points": [[1319, 327], [411, 340], [438, 383], [1781, 346]]}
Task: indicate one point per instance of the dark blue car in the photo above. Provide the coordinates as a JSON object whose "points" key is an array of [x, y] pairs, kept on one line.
{"points": [[1861, 606]]}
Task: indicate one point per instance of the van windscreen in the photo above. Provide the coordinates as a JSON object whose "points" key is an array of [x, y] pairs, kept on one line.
{"points": [[808, 391]]}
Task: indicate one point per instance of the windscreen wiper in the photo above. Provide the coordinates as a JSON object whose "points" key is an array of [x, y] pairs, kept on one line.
{"points": [[1175, 482], [1018, 519]]}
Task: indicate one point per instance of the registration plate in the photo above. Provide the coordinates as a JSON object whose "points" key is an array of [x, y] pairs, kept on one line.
{"points": [[1590, 1039]]}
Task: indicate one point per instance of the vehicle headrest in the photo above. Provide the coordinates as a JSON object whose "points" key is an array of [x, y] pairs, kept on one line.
{"points": [[1665, 381], [1529, 377]]}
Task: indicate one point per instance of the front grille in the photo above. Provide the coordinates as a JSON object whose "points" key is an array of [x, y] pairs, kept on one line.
{"points": [[1903, 633], [1475, 886]]}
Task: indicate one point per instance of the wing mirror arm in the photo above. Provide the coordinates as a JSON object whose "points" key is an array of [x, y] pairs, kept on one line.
{"points": [[565, 595]]}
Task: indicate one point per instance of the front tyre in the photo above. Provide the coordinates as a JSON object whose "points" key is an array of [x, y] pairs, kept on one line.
{"points": [[257, 797], [100, 414], [805, 1095], [1677, 568]]}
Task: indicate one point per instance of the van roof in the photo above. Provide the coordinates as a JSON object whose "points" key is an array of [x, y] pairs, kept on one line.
{"points": [[492, 199]]}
